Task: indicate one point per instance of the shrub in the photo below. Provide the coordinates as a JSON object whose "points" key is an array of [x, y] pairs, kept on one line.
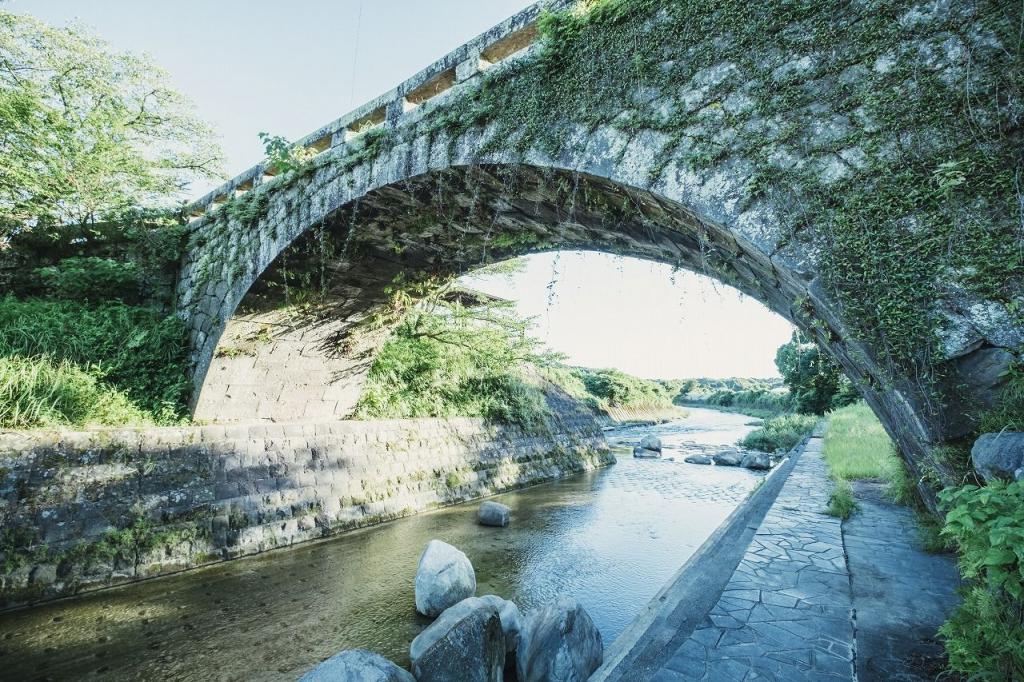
{"points": [[780, 433], [1008, 413], [602, 389], [38, 392], [135, 351], [91, 279], [841, 503], [618, 389], [984, 635], [454, 362]]}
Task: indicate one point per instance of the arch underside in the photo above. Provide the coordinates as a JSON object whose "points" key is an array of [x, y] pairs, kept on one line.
{"points": [[304, 337]]}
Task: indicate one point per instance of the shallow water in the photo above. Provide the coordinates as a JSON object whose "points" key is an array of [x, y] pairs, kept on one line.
{"points": [[610, 538]]}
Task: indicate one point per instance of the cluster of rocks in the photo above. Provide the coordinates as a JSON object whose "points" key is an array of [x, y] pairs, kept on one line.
{"points": [[748, 459], [478, 639], [650, 448]]}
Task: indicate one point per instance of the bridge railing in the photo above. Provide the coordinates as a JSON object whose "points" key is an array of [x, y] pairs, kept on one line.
{"points": [[496, 48]]}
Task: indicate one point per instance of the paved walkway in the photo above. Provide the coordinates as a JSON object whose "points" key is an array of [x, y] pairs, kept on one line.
{"points": [[787, 611], [814, 599], [900, 592]]}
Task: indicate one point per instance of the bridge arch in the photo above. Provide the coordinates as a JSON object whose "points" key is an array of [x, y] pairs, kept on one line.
{"points": [[672, 170], [291, 339]]}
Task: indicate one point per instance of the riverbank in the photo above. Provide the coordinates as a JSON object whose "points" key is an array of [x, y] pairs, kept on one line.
{"points": [[608, 537], [87, 510], [810, 596], [756, 412]]}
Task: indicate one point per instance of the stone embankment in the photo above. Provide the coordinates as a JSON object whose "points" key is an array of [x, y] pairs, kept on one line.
{"points": [[92, 509]]}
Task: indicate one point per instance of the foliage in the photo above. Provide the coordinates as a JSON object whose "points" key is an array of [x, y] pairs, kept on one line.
{"points": [[984, 635], [604, 389], [780, 433], [857, 447], [841, 502], [91, 279], [135, 351], [616, 388], [39, 391], [1008, 413], [815, 381], [756, 399], [449, 359], [88, 132], [284, 155]]}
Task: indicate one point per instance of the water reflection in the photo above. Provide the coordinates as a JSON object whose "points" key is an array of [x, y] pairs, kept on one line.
{"points": [[610, 538]]}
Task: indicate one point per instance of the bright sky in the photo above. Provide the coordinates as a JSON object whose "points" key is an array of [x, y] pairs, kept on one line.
{"points": [[288, 68]]}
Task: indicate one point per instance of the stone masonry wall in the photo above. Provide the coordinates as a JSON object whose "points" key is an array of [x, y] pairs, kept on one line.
{"points": [[92, 509]]}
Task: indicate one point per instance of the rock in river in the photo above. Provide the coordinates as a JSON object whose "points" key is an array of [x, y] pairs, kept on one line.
{"points": [[650, 442], [559, 643], [357, 666], [698, 459], [644, 453], [511, 620], [729, 458], [493, 514], [758, 461], [997, 456], [444, 578], [465, 643]]}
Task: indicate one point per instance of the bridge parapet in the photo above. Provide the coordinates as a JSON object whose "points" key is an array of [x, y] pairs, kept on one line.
{"points": [[497, 48]]}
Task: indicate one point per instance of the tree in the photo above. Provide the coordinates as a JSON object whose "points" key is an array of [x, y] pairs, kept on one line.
{"points": [[86, 133], [814, 379]]}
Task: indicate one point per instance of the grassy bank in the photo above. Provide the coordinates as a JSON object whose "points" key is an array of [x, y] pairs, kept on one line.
{"points": [[858, 448], [66, 363]]}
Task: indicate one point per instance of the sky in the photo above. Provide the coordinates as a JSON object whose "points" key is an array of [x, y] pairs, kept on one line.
{"points": [[289, 67]]}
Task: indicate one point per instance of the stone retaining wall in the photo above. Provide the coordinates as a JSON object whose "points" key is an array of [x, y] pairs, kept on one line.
{"points": [[91, 509]]}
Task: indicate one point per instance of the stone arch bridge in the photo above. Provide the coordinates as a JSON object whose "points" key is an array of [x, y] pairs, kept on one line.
{"points": [[717, 137]]}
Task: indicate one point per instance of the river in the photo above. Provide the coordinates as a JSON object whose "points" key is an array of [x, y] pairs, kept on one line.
{"points": [[610, 538]]}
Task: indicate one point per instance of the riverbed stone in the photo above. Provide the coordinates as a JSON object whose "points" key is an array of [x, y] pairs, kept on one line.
{"points": [[644, 453], [445, 577], [559, 643], [465, 643], [493, 514], [997, 456], [698, 459], [511, 620], [650, 442], [357, 665], [757, 461], [729, 458]]}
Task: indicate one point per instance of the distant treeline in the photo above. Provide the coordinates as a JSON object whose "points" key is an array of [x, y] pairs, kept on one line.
{"points": [[760, 395], [604, 389]]}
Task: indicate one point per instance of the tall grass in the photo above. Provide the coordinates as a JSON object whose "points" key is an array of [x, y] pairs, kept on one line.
{"points": [[38, 392], [136, 353], [857, 447], [780, 433]]}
